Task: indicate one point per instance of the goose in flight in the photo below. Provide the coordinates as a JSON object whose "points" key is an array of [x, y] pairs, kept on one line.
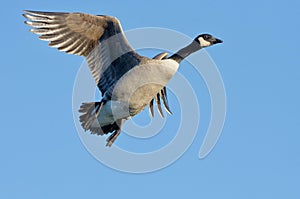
{"points": [[128, 81]]}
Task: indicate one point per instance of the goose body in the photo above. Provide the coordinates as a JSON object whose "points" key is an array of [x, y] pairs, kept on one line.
{"points": [[128, 81], [132, 93]]}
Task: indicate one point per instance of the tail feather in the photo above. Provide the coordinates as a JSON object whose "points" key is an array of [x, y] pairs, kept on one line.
{"points": [[90, 111]]}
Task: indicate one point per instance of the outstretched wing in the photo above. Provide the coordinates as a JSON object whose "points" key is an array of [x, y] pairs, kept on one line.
{"points": [[99, 38], [162, 94]]}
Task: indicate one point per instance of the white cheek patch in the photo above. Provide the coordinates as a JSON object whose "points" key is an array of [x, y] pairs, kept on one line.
{"points": [[203, 42]]}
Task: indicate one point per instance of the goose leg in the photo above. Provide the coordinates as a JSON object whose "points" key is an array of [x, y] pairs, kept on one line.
{"points": [[110, 140]]}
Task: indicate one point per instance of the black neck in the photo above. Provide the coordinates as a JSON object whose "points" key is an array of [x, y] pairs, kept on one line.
{"points": [[186, 51]]}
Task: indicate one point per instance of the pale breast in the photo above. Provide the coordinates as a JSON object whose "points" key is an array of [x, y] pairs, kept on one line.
{"points": [[138, 86]]}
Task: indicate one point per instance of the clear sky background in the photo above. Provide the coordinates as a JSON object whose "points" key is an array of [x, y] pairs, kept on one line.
{"points": [[257, 155]]}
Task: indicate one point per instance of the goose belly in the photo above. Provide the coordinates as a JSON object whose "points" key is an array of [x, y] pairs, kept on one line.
{"points": [[138, 86]]}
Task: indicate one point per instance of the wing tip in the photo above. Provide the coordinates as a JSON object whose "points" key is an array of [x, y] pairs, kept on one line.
{"points": [[29, 12], [28, 23]]}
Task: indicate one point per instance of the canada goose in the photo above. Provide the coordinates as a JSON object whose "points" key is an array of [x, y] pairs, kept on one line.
{"points": [[128, 81]]}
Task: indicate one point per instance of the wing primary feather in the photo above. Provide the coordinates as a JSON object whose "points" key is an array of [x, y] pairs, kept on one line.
{"points": [[159, 105], [165, 100], [35, 18], [49, 15], [43, 24], [49, 32], [151, 108], [86, 35]]}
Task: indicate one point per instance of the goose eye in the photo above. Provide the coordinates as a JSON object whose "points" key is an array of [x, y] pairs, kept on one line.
{"points": [[206, 37]]}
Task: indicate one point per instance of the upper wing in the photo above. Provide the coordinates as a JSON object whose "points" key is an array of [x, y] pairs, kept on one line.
{"points": [[99, 38]]}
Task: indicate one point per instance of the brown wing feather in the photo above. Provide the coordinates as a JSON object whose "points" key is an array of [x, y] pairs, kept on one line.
{"points": [[99, 38], [74, 33]]}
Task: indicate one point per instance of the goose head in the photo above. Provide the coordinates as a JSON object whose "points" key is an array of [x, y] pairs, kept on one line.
{"points": [[201, 41], [205, 40]]}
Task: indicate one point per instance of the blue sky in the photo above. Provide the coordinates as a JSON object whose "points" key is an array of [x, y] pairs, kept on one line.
{"points": [[257, 155]]}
